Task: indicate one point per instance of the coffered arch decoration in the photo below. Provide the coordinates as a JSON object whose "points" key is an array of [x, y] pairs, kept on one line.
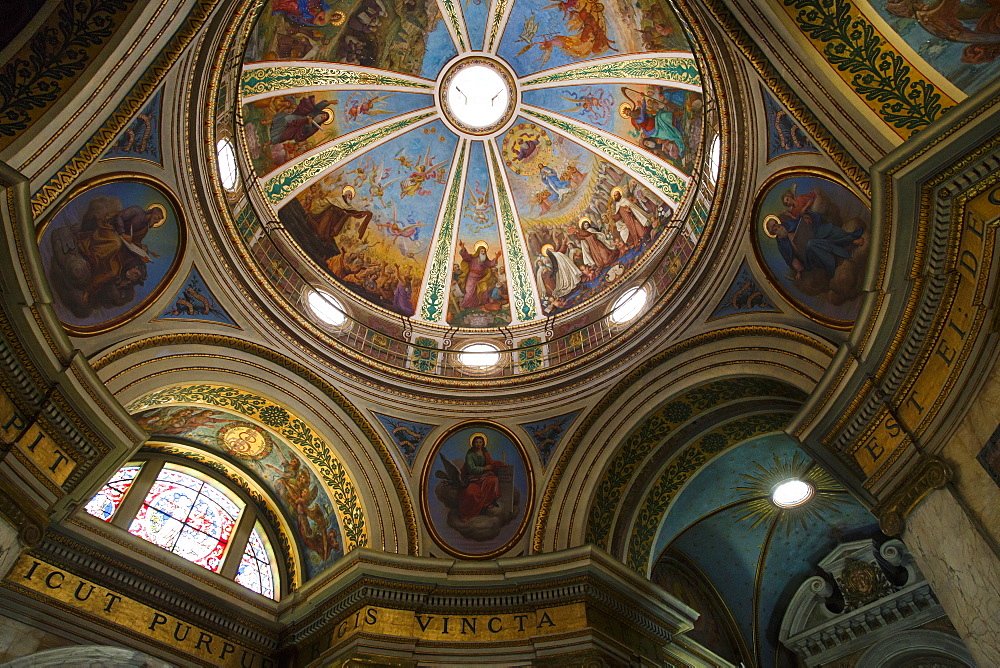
{"points": [[144, 366], [596, 468], [253, 428]]}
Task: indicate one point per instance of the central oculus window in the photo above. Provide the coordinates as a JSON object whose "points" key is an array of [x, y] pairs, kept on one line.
{"points": [[477, 95]]}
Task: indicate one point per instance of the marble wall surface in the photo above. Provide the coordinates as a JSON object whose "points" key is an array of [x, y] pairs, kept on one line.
{"points": [[962, 568], [976, 488]]}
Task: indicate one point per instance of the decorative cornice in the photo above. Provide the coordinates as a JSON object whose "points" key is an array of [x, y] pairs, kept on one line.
{"points": [[127, 108]]}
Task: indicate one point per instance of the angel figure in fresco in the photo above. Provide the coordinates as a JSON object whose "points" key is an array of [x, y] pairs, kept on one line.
{"points": [[358, 106], [974, 23], [587, 35], [179, 421], [478, 208], [594, 104], [424, 170]]}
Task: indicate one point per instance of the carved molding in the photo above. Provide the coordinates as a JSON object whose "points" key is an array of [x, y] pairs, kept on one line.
{"points": [[930, 474]]}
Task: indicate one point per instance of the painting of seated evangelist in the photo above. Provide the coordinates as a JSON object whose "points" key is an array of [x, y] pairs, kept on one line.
{"points": [[478, 499], [108, 251], [812, 235]]}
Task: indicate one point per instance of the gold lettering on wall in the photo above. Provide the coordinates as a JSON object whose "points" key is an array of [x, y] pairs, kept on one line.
{"points": [[44, 454], [949, 342], [111, 609], [449, 628]]}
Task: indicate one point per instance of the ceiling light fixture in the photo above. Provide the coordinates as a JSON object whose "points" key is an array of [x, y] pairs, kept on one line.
{"points": [[791, 493], [479, 356]]}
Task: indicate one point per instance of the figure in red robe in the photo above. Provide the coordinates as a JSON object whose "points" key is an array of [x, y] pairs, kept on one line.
{"points": [[483, 489]]}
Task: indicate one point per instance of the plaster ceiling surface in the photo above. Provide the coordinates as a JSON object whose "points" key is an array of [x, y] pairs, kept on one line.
{"points": [[354, 128], [754, 553]]}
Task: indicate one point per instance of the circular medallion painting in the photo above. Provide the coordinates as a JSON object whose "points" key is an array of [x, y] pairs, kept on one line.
{"points": [[109, 250], [477, 491], [811, 235]]}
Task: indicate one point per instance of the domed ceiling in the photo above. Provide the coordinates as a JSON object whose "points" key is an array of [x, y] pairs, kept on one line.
{"points": [[473, 164]]}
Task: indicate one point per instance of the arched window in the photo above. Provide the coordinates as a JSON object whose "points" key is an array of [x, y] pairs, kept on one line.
{"points": [[193, 515]]}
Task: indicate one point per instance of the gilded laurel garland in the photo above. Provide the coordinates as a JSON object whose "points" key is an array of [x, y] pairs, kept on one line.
{"points": [[868, 63], [524, 303], [433, 305], [498, 14], [33, 79], [456, 23], [653, 171], [671, 70], [658, 426], [294, 430], [272, 79], [680, 470], [126, 110], [291, 178]]}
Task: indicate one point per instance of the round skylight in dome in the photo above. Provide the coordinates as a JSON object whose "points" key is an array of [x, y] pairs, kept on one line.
{"points": [[480, 356], [628, 306], [227, 163], [791, 493], [327, 308], [477, 96]]}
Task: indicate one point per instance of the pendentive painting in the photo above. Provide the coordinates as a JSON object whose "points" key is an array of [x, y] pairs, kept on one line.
{"points": [[812, 236], [108, 252], [477, 490]]}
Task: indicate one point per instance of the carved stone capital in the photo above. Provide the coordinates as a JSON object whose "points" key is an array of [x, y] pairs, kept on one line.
{"points": [[929, 474]]}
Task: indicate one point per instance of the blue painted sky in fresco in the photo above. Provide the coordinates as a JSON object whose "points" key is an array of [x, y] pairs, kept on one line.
{"points": [[476, 16], [385, 107], [478, 178], [440, 49], [550, 23], [412, 146]]}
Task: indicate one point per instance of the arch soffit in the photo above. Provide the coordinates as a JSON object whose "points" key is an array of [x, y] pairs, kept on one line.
{"points": [[783, 355], [143, 366], [297, 433]]}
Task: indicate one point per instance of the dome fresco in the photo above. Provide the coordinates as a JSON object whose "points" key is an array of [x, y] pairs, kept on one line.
{"points": [[580, 189]]}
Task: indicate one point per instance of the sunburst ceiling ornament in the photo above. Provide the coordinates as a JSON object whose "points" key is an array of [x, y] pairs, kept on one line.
{"points": [[823, 496]]}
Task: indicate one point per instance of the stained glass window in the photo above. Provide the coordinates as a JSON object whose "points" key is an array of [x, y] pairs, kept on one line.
{"points": [[256, 571], [105, 503], [188, 516], [194, 516]]}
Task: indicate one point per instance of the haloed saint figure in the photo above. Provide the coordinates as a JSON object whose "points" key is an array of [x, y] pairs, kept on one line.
{"points": [[479, 493]]}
